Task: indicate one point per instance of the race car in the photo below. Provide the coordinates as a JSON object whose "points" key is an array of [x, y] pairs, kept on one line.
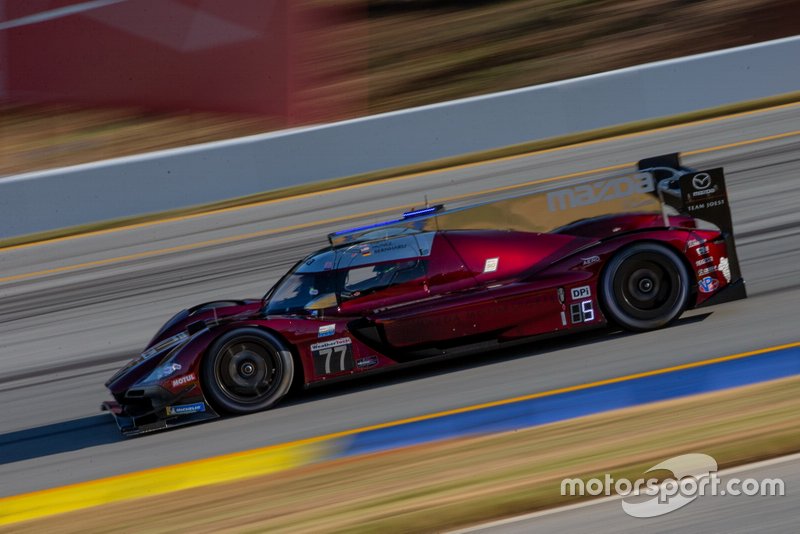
{"points": [[632, 251]]}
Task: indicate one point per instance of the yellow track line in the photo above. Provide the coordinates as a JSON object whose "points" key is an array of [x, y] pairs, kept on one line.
{"points": [[260, 461], [412, 175], [324, 222]]}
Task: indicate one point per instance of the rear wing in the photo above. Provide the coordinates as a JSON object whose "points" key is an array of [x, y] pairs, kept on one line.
{"points": [[701, 195]]}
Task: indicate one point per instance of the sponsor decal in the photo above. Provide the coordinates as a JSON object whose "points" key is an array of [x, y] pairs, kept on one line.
{"points": [[332, 356], [183, 409], [725, 268], [599, 191], [332, 343], [702, 185], [491, 265], [701, 251], [590, 260], [707, 270], [367, 362], [701, 181], [693, 243], [184, 380], [580, 292], [563, 319], [581, 312], [705, 193], [327, 330], [365, 250], [704, 261], [391, 246], [561, 295], [708, 284]]}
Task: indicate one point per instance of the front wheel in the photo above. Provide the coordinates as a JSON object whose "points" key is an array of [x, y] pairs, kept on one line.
{"points": [[247, 370], [645, 286]]}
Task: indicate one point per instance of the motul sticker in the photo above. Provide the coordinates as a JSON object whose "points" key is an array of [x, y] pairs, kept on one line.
{"points": [[184, 380]]}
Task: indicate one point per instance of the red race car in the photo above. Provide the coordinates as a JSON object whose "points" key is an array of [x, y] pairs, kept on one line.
{"points": [[634, 251]]}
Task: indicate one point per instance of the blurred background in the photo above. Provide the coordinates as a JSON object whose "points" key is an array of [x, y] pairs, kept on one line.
{"points": [[88, 80], [85, 80]]}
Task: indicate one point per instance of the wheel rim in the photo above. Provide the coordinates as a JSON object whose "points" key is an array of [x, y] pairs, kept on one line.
{"points": [[247, 370], [646, 286]]}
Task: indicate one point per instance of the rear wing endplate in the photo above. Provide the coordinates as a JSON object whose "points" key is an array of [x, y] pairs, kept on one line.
{"points": [[701, 195]]}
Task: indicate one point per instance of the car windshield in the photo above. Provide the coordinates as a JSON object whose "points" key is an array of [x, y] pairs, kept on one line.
{"points": [[307, 287], [302, 293]]}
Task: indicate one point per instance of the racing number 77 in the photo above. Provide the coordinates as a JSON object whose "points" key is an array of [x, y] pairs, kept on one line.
{"points": [[341, 352]]}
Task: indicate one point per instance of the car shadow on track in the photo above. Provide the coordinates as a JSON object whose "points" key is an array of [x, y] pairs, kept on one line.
{"points": [[100, 429], [499, 353], [56, 438]]}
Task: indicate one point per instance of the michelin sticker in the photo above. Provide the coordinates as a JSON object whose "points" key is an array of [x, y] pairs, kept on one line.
{"points": [[184, 409]]}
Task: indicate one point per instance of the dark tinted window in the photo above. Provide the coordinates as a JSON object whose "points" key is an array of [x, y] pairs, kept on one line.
{"points": [[364, 280]]}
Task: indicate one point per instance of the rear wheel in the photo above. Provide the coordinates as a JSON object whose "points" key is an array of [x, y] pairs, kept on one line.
{"points": [[645, 286], [247, 370]]}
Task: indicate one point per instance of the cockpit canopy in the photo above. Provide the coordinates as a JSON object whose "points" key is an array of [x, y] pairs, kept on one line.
{"points": [[329, 277]]}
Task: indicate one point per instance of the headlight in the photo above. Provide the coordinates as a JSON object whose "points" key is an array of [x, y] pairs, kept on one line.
{"points": [[169, 343], [161, 372]]}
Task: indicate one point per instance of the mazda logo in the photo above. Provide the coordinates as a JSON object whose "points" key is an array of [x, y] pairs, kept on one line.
{"points": [[701, 181]]}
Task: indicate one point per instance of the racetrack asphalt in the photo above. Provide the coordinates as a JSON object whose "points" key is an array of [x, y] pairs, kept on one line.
{"points": [[64, 331]]}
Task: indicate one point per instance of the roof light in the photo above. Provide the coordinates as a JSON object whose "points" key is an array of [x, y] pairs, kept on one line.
{"points": [[406, 215], [423, 211], [367, 227]]}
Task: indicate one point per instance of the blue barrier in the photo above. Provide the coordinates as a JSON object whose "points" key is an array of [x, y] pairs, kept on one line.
{"points": [[591, 400]]}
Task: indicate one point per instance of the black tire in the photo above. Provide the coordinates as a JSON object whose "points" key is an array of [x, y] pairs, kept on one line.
{"points": [[644, 287], [246, 370]]}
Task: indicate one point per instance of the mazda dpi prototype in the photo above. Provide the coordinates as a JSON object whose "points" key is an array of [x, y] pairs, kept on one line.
{"points": [[632, 251]]}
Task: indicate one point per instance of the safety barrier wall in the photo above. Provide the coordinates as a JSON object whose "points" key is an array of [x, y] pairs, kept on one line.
{"points": [[211, 172]]}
